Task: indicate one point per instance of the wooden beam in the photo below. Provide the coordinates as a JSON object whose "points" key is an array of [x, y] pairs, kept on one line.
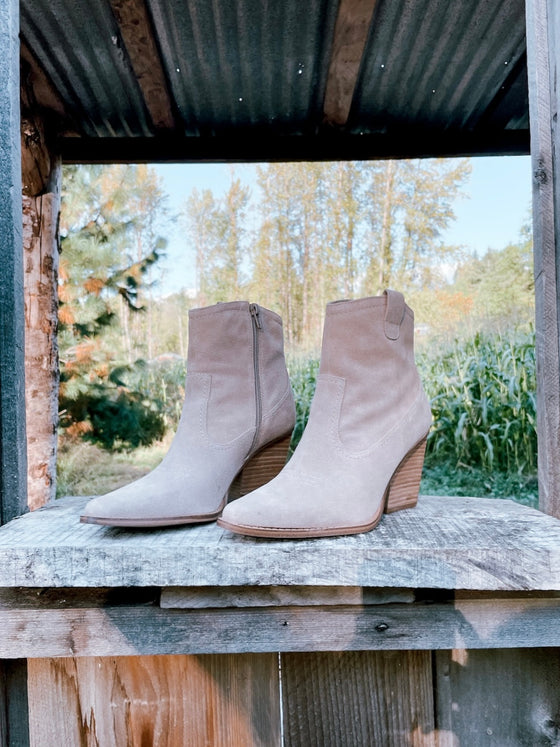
{"points": [[53, 631], [501, 546], [350, 36], [40, 236], [136, 31], [497, 697], [247, 147], [13, 462], [543, 53]]}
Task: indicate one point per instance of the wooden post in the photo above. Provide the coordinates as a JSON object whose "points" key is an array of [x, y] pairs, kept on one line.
{"points": [[543, 63], [13, 462], [14, 711], [41, 179]]}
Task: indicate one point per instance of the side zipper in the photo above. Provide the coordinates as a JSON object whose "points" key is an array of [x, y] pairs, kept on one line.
{"points": [[256, 322]]}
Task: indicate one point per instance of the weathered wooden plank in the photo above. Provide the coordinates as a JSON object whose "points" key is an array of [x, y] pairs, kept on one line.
{"points": [[165, 701], [14, 720], [350, 36], [360, 698], [279, 596], [543, 63], [498, 698], [13, 467], [40, 237], [449, 543], [137, 34], [146, 630]]}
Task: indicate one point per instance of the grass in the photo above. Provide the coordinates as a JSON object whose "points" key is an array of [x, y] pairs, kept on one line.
{"points": [[86, 469], [446, 479]]}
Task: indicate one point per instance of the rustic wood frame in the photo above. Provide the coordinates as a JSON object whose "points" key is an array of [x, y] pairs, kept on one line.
{"points": [[510, 631]]}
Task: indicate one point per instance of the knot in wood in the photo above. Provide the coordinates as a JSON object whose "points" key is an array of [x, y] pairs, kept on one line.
{"points": [[540, 176], [382, 627]]}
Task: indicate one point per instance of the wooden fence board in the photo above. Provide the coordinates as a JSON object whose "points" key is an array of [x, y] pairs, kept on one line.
{"points": [[498, 698], [358, 698], [13, 462], [14, 727], [165, 701], [542, 67]]}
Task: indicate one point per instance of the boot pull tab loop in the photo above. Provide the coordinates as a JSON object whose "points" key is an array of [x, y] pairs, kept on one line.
{"points": [[394, 314]]}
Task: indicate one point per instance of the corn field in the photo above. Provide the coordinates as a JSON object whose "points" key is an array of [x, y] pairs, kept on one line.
{"points": [[483, 397]]}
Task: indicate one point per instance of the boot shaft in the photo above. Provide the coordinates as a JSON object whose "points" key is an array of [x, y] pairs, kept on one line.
{"points": [[370, 344], [240, 347]]}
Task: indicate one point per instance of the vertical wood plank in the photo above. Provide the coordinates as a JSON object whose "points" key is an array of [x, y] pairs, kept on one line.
{"points": [[543, 67], [498, 697], [358, 698], [41, 174], [226, 700], [14, 717], [13, 463], [40, 234]]}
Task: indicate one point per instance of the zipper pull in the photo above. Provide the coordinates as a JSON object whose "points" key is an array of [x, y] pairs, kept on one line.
{"points": [[254, 310]]}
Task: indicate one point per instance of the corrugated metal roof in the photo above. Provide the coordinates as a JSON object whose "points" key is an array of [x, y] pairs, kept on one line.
{"points": [[435, 63], [77, 42], [246, 64], [260, 68]]}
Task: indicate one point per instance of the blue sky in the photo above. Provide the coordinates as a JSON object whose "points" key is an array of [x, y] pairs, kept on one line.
{"points": [[496, 205]]}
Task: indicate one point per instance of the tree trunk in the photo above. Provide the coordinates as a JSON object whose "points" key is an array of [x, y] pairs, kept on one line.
{"points": [[41, 184], [385, 247], [40, 231]]}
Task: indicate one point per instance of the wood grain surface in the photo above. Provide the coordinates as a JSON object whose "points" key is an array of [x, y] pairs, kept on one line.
{"points": [[445, 543], [226, 701]]}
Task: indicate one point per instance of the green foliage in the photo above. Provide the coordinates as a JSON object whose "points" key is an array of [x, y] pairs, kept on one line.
{"points": [[443, 478], [482, 393], [105, 259], [303, 376], [113, 417], [500, 284], [163, 381]]}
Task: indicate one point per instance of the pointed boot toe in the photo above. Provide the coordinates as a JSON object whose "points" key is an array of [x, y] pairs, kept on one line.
{"points": [[235, 426], [363, 447]]}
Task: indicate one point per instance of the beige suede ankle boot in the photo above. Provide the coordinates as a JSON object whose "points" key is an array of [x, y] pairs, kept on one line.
{"points": [[235, 427], [363, 448]]}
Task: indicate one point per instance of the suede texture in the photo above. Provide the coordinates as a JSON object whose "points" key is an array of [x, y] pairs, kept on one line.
{"points": [[369, 411], [218, 431]]}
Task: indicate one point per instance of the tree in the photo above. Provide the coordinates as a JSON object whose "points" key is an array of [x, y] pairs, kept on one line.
{"points": [[501, 283], [101, 267], [325, 231], [407, 206], [216, 229]]}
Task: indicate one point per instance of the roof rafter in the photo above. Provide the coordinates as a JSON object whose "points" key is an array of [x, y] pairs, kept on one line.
{"points": [[136, 31], [329, 146], [350, 36]]}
